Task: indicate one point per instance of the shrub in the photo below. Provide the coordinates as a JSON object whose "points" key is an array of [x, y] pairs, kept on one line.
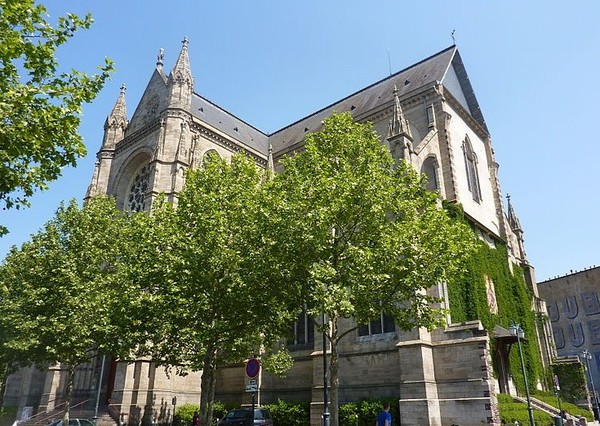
{"points": [[511, 411], [286, 413], [184, 414], [364, 413]]}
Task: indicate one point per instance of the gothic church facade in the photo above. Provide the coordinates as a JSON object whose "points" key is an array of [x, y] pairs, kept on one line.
{"points": [[427, 114]]}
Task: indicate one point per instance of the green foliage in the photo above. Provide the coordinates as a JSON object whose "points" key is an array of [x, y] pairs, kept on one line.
{"points": [[365, 412], [204, 272], [290, 413], [40, 106], [8, 415], [361, 234], [60, 291], [572, 381], [468, 301], [219, 410], [512, 411], [569, 407], [184, 414], [59, 286]]}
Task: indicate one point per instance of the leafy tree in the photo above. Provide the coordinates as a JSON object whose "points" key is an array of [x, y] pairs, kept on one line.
{"points": [[39, 105], [363, 234], [59, 288], [207, 280]]}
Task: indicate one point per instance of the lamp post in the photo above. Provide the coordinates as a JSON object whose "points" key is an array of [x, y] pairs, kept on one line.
{"points": [[517, 331], [99, 386], [588, 356], [325, 390]]}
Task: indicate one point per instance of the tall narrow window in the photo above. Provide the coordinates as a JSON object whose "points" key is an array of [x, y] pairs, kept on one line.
{"points": [[430, 169], [383, 324], [136, 199], [303, 331], [471, 169]]}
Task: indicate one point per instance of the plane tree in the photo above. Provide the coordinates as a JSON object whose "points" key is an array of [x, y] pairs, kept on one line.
{"points": [[363, 234], [61, 293], [40, 104], [204, 272]]}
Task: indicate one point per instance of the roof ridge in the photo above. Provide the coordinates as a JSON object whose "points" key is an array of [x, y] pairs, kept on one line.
{"points": [[391, 76]]}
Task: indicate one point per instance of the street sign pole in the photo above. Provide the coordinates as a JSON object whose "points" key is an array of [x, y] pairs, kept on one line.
{"points": [[252, 370]]}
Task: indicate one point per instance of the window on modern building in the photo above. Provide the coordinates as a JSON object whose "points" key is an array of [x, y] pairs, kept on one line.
{"points": [[303, 330], [384, 324], [430, 169], [136, 198], [471, 169]]}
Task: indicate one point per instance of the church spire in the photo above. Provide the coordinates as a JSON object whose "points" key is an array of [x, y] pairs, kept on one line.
{"points": [[270, 169], [513, 220], [515, 225], [116, 122], [398, 124], [399, 138], [181, 81]]}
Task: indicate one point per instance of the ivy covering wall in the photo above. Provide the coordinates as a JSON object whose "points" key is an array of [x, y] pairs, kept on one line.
{"points": [[469, 301]]}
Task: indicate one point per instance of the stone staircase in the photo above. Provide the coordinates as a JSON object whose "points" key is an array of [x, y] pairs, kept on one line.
{"points": [[553, 411], [42, 419]]}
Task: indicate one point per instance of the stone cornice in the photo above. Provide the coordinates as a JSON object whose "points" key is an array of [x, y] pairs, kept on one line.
{"points": [[217, 139], [464, 114], [129, 140]]}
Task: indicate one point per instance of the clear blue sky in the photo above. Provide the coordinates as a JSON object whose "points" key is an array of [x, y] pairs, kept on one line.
{"points": [[533, 65]]}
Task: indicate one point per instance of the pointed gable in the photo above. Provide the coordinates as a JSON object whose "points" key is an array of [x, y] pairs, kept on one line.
{"points": [[152, 101], [457, 82]]}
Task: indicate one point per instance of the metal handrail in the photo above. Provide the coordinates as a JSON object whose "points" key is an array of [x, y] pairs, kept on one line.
{"points": [[44, 416]]}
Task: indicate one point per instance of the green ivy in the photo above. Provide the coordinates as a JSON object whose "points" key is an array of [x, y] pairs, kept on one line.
{"points": [[572, 381], [468, 301]]}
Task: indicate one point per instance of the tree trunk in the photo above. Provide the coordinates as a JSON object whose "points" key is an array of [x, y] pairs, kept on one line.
{"points": [[334, 381], [207, 387], [68, 394], [3, 377]]}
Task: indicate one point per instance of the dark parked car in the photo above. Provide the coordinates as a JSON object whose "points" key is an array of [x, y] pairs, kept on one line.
{"points": [[243, 417]]}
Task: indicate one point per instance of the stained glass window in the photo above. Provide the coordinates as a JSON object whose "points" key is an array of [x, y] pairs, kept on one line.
{"points": [[136, 200]]}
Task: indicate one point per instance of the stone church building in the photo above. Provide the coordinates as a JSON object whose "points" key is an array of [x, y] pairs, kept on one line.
{"points": [[427, 114]]}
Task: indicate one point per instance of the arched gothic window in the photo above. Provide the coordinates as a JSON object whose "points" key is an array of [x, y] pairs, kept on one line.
{"points": [[302, 332], [471, 169], [430, 169], [136, 198], [211, 153]]}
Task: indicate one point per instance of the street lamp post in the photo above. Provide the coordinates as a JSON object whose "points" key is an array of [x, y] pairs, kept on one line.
{"points": [[588, 356], [99, 388], [517, 331], [325, 390]]}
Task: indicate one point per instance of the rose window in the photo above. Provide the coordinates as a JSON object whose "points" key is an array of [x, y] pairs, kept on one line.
{"points": [[136, 201]]}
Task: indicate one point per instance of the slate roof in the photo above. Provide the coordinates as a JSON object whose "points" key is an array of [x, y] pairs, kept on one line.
{"points": [[413, 79], [423, 74], [229, 124]]}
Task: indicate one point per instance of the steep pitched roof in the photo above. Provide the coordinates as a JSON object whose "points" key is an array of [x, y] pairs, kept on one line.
{"points": [[232, 126], [428, 72]]}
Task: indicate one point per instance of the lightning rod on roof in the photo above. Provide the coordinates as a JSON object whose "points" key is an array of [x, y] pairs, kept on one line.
{"points": [[389, 62], [453, 39]]}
